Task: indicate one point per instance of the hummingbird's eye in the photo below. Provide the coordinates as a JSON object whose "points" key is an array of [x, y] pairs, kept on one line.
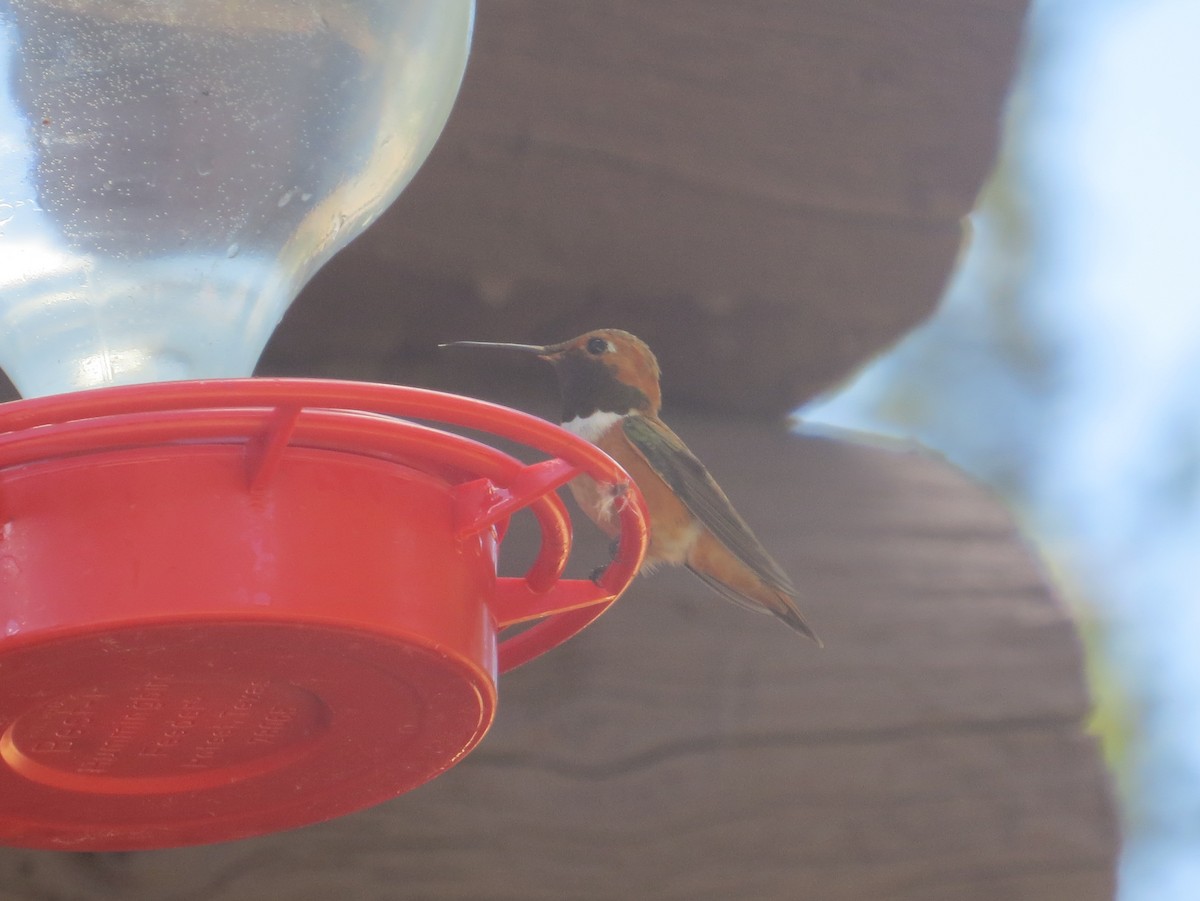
{"points": [[597, 346]]}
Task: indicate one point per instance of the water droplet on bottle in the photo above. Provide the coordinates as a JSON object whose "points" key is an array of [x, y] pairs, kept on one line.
{"points": [[6, 213], [233, 250], [287, 198]]}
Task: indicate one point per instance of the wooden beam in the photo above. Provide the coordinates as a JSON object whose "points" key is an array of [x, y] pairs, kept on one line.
{"points": [[682, 748]]}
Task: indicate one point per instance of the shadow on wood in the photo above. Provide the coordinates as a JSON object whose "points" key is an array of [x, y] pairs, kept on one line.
{"points": [[768, 193]]}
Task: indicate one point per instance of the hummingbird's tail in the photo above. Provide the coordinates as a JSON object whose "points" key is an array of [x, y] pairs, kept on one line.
{"points": [[775, 602]]}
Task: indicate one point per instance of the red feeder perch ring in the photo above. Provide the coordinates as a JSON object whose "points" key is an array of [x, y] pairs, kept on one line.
{"points": [[234, 607]]}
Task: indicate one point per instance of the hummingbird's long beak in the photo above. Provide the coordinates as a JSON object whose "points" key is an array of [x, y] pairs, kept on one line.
{"points": [[541, 350]]}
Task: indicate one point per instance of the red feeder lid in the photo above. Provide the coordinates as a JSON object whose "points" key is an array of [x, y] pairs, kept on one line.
{"points": [[235, 607]]}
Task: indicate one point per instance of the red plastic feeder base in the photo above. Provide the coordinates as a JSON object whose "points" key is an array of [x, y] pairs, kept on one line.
{"points": [[235, 607]]}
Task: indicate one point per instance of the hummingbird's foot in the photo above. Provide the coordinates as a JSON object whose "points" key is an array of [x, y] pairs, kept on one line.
{"points": [[599, 571], [620, 496], [612, 501]]}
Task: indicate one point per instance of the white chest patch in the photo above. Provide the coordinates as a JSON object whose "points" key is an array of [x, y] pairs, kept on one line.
{"points": [[590, 428]]}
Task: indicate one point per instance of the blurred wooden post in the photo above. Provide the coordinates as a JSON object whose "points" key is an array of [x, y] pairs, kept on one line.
{"points": [[683, 748], [768, 192]]}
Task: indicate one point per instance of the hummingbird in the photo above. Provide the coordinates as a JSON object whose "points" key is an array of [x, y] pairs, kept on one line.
{"points": [[609, 382]]}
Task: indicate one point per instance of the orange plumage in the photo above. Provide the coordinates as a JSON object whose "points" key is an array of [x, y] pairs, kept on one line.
{"points": [[611, 396]]}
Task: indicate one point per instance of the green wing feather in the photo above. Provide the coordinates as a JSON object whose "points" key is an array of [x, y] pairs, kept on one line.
{"points": [[678, 467]]}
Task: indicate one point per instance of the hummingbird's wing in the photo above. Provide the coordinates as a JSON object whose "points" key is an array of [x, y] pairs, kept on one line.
{"points": [[678, 467]]}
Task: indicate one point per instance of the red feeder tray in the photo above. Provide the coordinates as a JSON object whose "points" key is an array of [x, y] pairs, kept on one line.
{"points": [[234, 607]]}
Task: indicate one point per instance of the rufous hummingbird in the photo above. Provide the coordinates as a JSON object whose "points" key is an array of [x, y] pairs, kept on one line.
{"points": [[609, 380]]}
